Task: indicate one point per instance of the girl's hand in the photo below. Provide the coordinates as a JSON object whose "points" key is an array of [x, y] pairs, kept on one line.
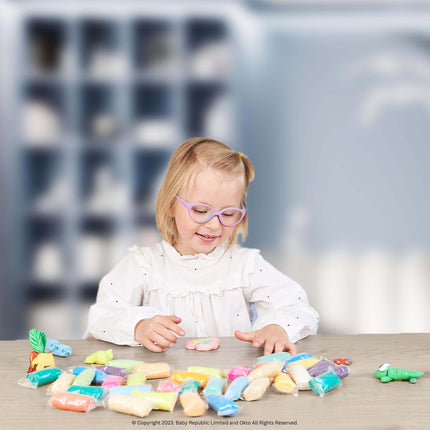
{"points": [[156, 333], [273, 336]]}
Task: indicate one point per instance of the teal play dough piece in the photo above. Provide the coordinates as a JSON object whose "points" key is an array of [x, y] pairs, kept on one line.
{"points": [[190, 386], [281, 356], [85, 377], [215, 385], [95, 392], [325, 382], [44, 376]]}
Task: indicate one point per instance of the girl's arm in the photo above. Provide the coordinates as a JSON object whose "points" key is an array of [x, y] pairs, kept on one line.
{"points": [[280, 302], [118, 307]]}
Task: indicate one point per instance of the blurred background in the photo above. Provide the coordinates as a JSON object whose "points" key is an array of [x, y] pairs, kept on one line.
{"points": [[329, 99]]}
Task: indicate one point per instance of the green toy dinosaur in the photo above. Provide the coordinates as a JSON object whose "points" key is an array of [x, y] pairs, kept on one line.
{"points": [[386, 373]]}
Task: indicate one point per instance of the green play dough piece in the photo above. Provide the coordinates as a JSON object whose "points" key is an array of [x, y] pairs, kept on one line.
{"points": [[85, 377], [37, 340]]}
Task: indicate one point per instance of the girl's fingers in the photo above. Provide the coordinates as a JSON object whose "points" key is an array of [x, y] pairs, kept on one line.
{"points": [[148, 344], [160, 340], [174, 327], [280, 347], [268, 347], [292, 348], [166, 334]]}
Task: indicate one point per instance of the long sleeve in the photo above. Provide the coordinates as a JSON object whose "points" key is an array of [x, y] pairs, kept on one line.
{"points": [[118, 307], [280, 300]]}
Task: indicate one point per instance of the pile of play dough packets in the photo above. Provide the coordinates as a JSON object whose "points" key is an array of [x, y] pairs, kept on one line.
{"points": [[123, 385]]}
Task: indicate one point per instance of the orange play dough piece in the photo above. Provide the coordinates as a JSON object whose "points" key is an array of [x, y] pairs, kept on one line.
{"points": [[72, 402]]}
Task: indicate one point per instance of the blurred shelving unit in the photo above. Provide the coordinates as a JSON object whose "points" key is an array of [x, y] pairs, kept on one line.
{"points": [[102, 101]]}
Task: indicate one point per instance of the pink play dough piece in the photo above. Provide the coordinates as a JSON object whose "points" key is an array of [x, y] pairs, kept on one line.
{"points": [[205, 344]]}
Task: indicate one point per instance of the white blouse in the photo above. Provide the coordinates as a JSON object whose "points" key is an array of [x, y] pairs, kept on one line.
{"points": [[212, 293]]}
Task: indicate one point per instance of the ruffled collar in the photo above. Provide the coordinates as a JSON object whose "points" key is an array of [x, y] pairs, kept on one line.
{"points": [[217, 253]]}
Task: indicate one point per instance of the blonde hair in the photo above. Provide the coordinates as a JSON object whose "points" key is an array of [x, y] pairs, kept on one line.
{"points": [[184, 164]]}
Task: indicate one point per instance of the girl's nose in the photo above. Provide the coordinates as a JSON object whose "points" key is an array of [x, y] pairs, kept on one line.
{"points": [[214, 224]]}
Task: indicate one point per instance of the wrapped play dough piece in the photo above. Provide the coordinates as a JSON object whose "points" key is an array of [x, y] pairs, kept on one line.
{"points": [[153, 370], [129, 389], [129, 405], [125, 364], [223, 406], [325, 365], [297, 357], [113, 370], [61, 384], [72, 402], [137, 378], [236, 388], [300, 376], [168, 386], [181, 377], [269, 370], [237, 371], [112, 381], [85, 377], [214, 385], [307, 362], [284, 384], [99, 376], [99, 357], [256, 389], [192, 404], [325, 382], [210, 371], [280, 356], [161, 401], [41, 377], [96, 392]]}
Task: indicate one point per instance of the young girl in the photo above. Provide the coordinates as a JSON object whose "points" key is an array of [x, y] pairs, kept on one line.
{"points": [[198, 282]]}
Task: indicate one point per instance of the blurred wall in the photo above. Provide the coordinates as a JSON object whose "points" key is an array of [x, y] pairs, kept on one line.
{"points": [[330, 101]]}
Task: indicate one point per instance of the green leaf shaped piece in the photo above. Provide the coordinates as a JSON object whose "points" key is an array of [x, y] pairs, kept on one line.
{"points": [[37, 340]]}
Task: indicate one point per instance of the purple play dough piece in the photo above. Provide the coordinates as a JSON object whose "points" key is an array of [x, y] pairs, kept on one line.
{"points": [[112, 370], [323, 365]]}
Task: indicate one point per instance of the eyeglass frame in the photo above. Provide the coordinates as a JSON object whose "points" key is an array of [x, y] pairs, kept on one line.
{"points": [[188, 206]]}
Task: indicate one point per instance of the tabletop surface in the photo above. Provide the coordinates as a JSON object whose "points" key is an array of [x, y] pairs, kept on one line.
{"points": [[361, 402]]}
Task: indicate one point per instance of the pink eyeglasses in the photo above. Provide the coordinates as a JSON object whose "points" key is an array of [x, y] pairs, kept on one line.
{"points": [[201, 213]]}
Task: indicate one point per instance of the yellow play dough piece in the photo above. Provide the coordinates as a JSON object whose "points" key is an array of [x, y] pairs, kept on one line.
{"points": [[63, 382], [99, 357], [307, 362], [284, 384], [256, 389], [180, 377], [137, 378], [130, 405]]}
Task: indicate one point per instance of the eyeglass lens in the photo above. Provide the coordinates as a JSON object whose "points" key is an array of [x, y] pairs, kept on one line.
{"points": [[202, 213]]}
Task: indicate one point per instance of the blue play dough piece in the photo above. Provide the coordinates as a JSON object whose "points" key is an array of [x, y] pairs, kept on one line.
{"points": [[297, 357], [235, 389], [128, 389], [221, 405], [281, 356], [57, 348]]}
